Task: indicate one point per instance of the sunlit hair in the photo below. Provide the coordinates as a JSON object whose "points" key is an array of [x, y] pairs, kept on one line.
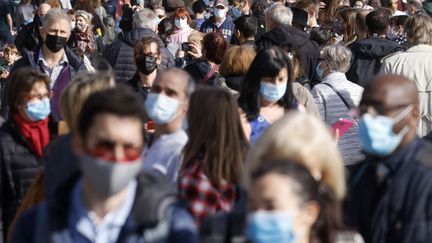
{"points": [[237, 61], [419, 29], [78, 90], [303, 138], [215, 135]]}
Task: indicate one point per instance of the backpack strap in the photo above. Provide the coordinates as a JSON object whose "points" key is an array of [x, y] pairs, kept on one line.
{"points": [[341, 98]]}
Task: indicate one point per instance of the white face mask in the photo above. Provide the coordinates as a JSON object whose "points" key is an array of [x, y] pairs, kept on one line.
{"points": [[181, 23], [219, 13], [161, 108]]}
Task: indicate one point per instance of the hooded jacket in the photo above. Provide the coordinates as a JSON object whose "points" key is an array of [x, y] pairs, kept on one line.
{"points": [[367, 55], [293, 40], [120, 53]]}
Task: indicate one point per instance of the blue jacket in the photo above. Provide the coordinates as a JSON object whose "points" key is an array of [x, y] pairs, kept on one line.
{"points": [[390, 200], [154, 217], [227, 28]]}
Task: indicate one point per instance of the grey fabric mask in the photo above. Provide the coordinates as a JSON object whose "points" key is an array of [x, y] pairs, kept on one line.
{"points": [[106, 177]]}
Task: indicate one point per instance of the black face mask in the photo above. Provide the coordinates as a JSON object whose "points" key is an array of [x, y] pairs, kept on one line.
{"points": [[146, 64], [55, 43]]}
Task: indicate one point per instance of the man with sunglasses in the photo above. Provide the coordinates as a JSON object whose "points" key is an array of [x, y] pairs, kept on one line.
{"points": [[110, 200], [390, 192]]}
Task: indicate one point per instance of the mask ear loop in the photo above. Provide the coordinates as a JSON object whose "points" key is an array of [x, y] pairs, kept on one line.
{"points": [[399, 117]]}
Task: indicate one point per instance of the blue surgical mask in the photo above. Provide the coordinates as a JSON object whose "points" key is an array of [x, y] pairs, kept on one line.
{"points": [[140, 2], [273, 92], [319, 71], [236, 12], [38, 110], [376, 133], [181, 23], [270, 226], [161, 108]]}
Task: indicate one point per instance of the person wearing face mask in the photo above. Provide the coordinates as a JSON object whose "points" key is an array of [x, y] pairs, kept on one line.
{"points": [[336, 96], [109, 199], [53, 57], [266, 94], [182, 29], [220, 21], [166, 105], [390, 190], [28, 37], [296, 212], [82, 39], [147, 58], [22, 139]]}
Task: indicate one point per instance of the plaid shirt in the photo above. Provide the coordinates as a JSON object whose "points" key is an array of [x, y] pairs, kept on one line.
{"points": [[201, 197]]}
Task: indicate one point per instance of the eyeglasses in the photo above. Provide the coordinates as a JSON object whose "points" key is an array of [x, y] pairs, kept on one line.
{"points": [[104, 149], [39, 96]]}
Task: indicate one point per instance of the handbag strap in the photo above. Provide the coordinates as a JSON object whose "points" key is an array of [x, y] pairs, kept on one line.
{"points": [[342, 98]]}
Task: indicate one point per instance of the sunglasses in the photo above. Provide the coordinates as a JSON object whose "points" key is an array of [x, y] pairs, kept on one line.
{"points": [[104, 149]]}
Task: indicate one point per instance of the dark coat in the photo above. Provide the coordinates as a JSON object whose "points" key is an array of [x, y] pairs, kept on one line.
{"points": [[153, 210], [227, 27], [292, 39], [28, 37], [390, 200], [18, 167], [367, 55], [135, 84], [120, 54]]}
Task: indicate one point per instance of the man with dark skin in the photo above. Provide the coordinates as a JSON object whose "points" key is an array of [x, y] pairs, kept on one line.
{"points": [[390, 192]]}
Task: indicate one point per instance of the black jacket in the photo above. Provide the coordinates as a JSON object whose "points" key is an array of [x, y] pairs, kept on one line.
{"points": [[135, 84], [18, 167], [294, 40], [390, 200], [154, 217], [120, 53], [367, 55], [28, 37]]}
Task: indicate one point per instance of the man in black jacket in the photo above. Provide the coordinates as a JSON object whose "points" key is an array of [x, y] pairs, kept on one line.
{"points": [[281, 33], [390, 193], [29, 36], [368, 52], [120, 53]]}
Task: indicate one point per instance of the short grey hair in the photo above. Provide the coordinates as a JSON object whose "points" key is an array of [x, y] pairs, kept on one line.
{"points": [[337, 57], [183, 76], [85, 15], [279, 14], [53, 15], [145, 18]]}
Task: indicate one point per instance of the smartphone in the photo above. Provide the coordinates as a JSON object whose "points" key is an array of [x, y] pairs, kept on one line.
{"points": [[185, 47], [342, 125]]}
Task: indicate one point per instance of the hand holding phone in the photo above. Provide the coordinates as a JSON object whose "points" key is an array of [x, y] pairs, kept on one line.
{"points": [[342, 126]]}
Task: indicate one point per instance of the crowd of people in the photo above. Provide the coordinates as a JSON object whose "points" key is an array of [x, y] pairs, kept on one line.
{"points": [[262, 121]]}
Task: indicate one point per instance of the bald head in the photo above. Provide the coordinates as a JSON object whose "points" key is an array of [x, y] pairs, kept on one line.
{"points": [[390, 91], [43, 9], [178, 78]]}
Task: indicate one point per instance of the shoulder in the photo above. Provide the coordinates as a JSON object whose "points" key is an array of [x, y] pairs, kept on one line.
{"points": [[392, 57], [25, 226], [183, 226]]}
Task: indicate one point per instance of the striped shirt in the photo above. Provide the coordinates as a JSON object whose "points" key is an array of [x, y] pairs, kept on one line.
{"points": [[332, 108]]}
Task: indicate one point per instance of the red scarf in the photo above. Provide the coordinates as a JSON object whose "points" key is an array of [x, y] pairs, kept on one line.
{"points": [[35, 133]]}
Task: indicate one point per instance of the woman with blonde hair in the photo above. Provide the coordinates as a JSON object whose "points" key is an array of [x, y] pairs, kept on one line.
{"points": [[309, 142], [236, 64]]}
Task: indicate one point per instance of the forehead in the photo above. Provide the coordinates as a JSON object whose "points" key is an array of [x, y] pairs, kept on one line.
{"points": [[152, 47], [116, 128], [172, 80], [38, 87], [386, 95], [60, 24]]}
